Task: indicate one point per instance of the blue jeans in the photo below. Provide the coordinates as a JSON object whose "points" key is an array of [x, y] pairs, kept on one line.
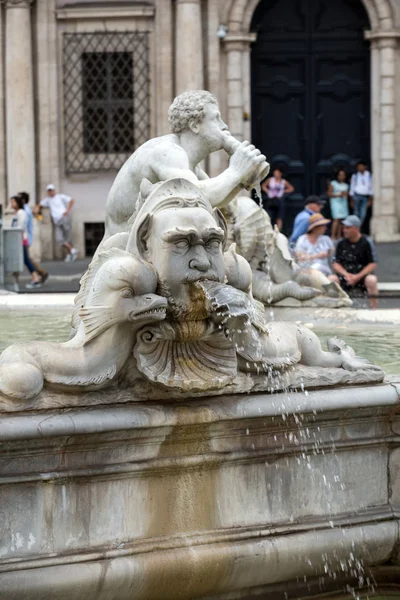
{"points": [[27, 260], [360, 206]]}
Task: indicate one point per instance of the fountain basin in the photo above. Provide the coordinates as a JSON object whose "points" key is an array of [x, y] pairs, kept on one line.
{"points": [[213, 497]]}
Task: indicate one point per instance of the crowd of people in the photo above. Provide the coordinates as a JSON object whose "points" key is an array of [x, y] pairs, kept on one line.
{"points": [[60, 206], [346, 256]]}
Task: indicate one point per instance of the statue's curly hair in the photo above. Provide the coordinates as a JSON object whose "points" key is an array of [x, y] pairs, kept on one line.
{"points": [[187, 107]]}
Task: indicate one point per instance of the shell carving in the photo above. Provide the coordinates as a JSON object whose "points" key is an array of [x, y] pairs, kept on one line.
{"points": [[196, 364]]}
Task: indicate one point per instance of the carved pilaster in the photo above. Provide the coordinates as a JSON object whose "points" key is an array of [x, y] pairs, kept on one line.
{"points": [[189, 46], [237, 46], [383, 95], [19, 97]]}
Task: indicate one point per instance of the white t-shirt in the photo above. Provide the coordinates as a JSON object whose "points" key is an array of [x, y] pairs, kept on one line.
{"points": [[57, 204]]}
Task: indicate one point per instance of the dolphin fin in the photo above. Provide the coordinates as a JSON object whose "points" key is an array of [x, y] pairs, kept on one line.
{"points": [[96, 320]]}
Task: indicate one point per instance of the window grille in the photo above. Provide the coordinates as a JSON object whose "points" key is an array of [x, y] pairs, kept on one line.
{"points": [[106, 98]]}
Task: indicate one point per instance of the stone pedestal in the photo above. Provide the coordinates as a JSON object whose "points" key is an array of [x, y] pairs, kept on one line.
{"points": [[283, 495], [19, 98]]}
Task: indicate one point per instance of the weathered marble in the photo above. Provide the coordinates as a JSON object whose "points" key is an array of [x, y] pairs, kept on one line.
{"points": [[277, 278], [200, 331], [218, 497]]}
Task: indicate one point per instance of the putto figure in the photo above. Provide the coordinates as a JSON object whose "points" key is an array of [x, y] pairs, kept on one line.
{"points": [[197, 130]]}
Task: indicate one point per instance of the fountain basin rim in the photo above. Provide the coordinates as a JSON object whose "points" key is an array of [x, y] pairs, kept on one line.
{"points": [[209, 410]]}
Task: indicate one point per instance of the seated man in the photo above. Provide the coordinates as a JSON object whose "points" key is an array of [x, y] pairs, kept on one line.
{"points": [[355, 261]]}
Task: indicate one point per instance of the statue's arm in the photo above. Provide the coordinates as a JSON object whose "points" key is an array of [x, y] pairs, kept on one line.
{"points": [[247, 166], [244, 168]]}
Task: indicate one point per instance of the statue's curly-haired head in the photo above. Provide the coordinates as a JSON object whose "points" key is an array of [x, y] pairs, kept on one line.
{"points": [[188, 108]]}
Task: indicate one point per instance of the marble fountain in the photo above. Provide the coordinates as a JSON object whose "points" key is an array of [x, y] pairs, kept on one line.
{"points": [[179, 444]]}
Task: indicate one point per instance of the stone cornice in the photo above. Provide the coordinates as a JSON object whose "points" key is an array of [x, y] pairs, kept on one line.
{"points": [[17, 3], [106, 12], [381, 35], [248, 38]]}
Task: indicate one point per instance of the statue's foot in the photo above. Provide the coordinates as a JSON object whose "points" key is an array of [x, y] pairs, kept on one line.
{"points": [[333, 290], [20, 380], [350, 361]]}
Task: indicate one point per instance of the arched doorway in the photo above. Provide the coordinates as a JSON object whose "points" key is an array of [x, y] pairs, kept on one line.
{"points": [[310, 71]]}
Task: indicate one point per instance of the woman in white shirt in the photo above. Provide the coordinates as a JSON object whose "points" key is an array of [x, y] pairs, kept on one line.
{"points": [[361, 191], [20, 220], [313, 249]]}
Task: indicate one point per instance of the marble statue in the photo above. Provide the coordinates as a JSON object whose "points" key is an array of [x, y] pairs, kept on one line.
{"points": [[197, 130], [167, 306], [120, 301], [276, 276]]}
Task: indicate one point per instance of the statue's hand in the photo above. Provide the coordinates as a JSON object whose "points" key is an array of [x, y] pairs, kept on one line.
{"points": [[246, 162]]}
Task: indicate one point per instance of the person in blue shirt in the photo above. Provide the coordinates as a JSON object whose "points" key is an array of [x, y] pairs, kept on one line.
{"points": [[29, 230], [312, 205]]}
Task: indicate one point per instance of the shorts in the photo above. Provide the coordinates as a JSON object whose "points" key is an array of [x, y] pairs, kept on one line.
{"points": [[63, 231], [357, 289]]}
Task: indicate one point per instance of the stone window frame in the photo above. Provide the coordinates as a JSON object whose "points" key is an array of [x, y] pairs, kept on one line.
{"points": [[74, 45]]}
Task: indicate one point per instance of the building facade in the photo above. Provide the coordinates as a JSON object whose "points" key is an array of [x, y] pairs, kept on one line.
{"points": [[314, 83]]}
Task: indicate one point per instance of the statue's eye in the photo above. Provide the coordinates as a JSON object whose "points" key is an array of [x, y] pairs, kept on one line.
{"points": [[127, 292], [213, 244], [181, 244]]}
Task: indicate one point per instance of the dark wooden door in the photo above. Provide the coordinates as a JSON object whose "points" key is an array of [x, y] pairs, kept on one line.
{"points": [[310, 90]]}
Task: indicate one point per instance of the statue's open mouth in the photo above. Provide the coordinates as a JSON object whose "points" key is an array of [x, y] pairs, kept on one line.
{"points": [[158, 311]]}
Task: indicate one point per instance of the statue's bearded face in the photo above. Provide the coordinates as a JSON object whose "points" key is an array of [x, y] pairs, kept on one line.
{"points": [[185, 245]]}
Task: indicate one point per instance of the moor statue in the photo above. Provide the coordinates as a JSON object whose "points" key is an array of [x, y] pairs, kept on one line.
{"points": [[167, 306]]}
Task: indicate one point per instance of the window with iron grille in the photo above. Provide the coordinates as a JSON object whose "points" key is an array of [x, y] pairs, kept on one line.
{"points": [[106, 98]]}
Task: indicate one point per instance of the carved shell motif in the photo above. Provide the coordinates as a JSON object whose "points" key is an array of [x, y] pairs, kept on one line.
{"points": [[253, 232], [191, 365]]}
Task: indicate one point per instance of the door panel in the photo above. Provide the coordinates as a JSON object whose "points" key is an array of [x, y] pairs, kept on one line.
{"points": [[310, 90]]}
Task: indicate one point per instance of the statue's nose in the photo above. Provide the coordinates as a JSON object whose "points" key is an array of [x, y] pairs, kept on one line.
{"points": [[200, 262]]}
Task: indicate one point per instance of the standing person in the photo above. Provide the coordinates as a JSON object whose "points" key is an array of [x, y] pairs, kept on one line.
{"points": [[60, 206], [355, 261], [275, 189], [29, 228], [361, 190], [338, 193], [313, 248], [20, 220], [312, 205]]}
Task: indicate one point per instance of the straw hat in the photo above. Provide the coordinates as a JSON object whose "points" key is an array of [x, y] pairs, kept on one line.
{"points": [[316, 220]]}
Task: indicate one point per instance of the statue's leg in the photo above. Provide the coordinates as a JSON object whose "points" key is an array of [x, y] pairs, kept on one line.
{"points": [[269, 292], [312, 354], [20, 375], [339, 353]]}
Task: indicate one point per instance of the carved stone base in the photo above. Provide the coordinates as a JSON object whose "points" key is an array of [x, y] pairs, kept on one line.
{"points": [[221, 498], [295, 378]]}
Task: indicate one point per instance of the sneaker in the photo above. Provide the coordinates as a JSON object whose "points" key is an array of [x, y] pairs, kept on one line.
{"points": [[74, 254], [33, 284], [44, 278], [15, 288], [68, 258]]}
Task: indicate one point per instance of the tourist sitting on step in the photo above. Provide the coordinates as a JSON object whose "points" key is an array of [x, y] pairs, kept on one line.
{"points": [[314, 248], [355, 261]]}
